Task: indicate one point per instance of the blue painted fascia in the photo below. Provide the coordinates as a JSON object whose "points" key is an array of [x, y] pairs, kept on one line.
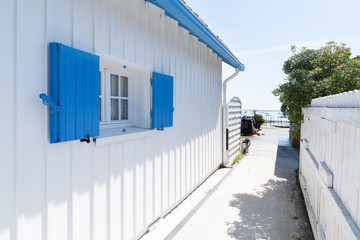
{"points": [[177, 10]]}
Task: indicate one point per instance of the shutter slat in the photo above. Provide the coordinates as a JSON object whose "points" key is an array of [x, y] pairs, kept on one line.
{"points": [[80, 98], [54, 91], [74, 86], [88, 97], [62, 95], [95, 98], [70, 92]]}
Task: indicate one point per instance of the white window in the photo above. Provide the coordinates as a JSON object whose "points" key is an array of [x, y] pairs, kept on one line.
{"points": [[115, 98], [124, 98]]}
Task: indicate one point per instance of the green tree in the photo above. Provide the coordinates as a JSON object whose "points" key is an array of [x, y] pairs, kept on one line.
{"points": [[313, 73]]}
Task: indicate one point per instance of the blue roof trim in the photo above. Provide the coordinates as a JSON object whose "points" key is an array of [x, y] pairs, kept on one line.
{"points": [[177, 10]]}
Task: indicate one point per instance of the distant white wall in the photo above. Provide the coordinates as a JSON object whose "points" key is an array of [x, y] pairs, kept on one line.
{"points": [[330, 165], [75, 190]]}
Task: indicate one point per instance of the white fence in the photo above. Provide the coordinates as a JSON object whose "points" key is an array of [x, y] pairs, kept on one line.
{"points": [[330, 165], [233, 131]]}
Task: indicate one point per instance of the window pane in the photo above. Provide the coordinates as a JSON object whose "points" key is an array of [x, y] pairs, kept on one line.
{"points": [[100, 109], [124, 86], [124, 109], [114, 105], [114, 88]]}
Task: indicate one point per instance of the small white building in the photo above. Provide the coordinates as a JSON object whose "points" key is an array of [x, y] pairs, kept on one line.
{"points": [[133, 122]]}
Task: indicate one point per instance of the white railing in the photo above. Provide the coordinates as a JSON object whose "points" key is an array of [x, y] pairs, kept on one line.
{"points": [[343, 100]]}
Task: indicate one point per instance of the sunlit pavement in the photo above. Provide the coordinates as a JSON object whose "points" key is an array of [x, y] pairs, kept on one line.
{"points": [[252, 202]]}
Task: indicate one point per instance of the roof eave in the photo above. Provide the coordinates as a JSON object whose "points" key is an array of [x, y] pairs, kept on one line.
{"points": [[177, 10]]}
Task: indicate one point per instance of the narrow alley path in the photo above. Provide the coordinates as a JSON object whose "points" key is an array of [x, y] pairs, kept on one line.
{"points": [[255, 201]]}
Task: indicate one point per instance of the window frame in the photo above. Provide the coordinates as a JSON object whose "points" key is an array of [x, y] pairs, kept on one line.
{"points": [[140, 124], [105, 85]]}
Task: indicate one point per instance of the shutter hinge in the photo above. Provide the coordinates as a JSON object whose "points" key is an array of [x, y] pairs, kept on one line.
{"points": [[47, 100]]}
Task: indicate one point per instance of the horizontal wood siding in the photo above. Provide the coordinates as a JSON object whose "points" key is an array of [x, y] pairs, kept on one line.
{"points": [[75, 190]]}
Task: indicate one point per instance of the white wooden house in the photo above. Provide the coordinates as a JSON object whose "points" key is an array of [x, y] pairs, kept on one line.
{"points": [[111, 152]]}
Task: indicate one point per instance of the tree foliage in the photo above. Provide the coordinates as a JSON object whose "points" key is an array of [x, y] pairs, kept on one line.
{"points": [[313, 73]]}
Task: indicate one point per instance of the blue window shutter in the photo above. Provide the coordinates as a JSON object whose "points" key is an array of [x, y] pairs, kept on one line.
{"points": [[162, 100], [74, 86]]}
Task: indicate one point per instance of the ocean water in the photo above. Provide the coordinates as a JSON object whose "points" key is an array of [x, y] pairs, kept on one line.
{"points": [[272, 117]]}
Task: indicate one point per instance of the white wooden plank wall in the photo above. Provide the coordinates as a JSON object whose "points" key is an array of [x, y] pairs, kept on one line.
{"points": [[82, 191], [332, 129], [8, 102]]}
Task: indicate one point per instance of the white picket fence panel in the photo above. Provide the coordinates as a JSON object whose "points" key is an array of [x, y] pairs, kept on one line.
{"points": [[234, 112], [330, 163]]}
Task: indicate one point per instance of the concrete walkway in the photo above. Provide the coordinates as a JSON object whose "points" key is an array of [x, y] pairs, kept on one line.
{"points": [[253, 201]]}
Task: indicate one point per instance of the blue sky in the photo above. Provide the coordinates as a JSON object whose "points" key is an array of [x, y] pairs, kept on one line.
{"points": [[260, 33]]}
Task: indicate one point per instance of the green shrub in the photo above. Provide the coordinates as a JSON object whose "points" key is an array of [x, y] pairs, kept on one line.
{"points": [[238, 158], [295, 135], [259, 120]]}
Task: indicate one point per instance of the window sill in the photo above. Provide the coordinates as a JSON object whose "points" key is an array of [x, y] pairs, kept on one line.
{"points": [[116, 135]]}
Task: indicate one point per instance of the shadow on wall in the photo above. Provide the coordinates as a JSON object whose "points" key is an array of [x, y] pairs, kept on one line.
{"points": [[261, 215]]}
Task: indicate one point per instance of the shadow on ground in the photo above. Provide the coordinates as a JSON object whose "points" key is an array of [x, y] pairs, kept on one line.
{"points": [[257, 211], [271, 211], [287, 159]]}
